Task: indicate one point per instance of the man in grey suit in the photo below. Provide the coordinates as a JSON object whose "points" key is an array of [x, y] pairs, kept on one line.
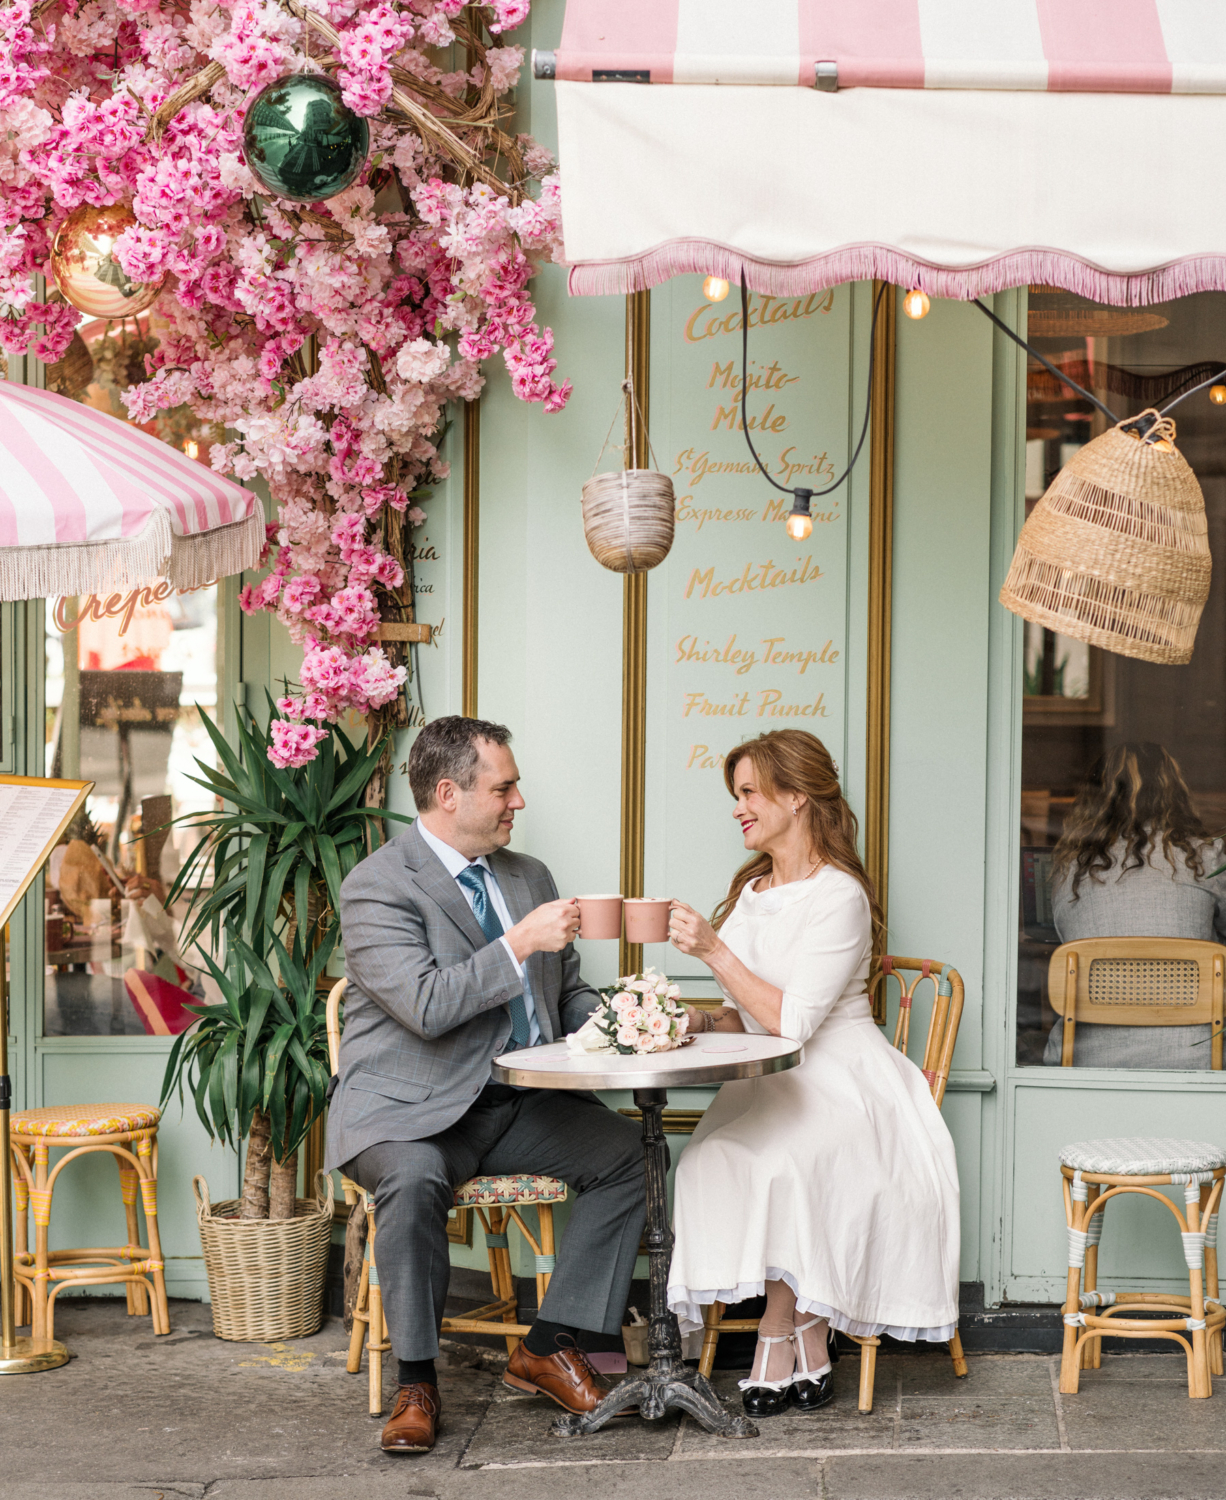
{"points": [[457, 951]]}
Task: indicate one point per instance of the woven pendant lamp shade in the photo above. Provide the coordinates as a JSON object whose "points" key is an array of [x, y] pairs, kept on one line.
{"points": [[1116, 553]]}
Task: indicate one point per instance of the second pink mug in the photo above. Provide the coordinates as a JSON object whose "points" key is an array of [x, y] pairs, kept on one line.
{"points": [[647, 918]]}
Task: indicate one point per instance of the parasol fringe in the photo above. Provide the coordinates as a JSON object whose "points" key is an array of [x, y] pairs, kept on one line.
{"points": [[52, 569], [209, 555]]}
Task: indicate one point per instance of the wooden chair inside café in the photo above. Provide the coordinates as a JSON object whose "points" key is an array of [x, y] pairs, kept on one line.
{"points": [[946, 1015]]}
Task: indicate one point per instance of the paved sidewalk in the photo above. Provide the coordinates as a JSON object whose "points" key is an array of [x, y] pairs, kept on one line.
{"points": [[189, 1417]]}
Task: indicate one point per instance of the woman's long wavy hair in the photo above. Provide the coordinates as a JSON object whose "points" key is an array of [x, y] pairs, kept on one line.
{"points": [[792, 761], [1135, 795]]}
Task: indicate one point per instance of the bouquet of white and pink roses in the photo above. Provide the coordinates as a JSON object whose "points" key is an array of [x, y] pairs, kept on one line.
{"points": [[640, 1013]]}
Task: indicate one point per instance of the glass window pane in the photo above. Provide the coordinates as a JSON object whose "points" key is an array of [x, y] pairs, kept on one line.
{"points": [[1123, 778], [126, 675]]}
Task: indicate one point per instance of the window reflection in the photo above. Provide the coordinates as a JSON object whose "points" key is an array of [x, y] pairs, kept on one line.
{"points": [[125, 672], [1091, 718]]}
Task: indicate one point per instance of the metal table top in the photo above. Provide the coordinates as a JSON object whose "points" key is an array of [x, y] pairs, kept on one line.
{"points": [[710, 1058]]}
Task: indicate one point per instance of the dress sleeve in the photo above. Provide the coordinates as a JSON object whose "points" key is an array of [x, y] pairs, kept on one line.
{"points": [[828, 952]]}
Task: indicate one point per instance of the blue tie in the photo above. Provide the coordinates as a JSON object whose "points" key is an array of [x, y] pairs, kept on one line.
{"points": [[472, 878]]}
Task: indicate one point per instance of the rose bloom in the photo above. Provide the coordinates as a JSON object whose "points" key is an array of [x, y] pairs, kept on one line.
{"points": [[632, 1015], [682, 1023], [621, 1001], [627, 1036], [643, 1042], [658, 1024], [650, 1004]]}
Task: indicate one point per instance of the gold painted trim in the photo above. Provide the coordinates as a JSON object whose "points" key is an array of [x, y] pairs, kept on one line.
{"points": [[676, 1121], [634, 642], [880, 593], [472, 550]]}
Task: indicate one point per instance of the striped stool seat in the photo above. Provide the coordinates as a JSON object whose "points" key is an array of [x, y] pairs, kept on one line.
{"points": [[1126, 1156], [486, 1192], [127, 1132], [71, 1120], [1095, 1172]]}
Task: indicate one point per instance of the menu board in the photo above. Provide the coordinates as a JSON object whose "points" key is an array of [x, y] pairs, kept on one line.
{"points": [[33, 815], [746, 627]]}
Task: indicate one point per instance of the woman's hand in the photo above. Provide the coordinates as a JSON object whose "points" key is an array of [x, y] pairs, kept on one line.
{"points": [[691, 933], [696, 1022]]}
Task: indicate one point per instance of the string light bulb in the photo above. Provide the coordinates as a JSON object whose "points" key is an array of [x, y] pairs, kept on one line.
{"points": [[916, 304], [800, 522], [1217, 394], [715, 289]]}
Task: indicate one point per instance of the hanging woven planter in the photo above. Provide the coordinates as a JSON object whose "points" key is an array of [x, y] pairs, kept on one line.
{"points": [[628, 515], [1116, 553]]}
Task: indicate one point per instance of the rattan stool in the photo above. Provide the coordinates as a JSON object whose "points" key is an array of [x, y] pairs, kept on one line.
{"points": [[84, 1129], [1094, 1172]]}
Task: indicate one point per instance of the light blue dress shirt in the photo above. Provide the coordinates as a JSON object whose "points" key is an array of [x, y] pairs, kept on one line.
{"points": [[454, 862]]}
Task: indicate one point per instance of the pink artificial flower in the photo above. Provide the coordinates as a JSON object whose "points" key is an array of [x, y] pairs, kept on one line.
{"points": [[293, 745]]}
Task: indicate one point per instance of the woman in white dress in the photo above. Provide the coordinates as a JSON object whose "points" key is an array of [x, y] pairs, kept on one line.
{"points": [[832, 1187]]}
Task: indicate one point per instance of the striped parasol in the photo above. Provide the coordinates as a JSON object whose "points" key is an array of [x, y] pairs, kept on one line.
{"points": [[89, 503]]}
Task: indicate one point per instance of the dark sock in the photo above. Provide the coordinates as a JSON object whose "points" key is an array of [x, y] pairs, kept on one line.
{"points": [[542, 1337], [415, 1371]]}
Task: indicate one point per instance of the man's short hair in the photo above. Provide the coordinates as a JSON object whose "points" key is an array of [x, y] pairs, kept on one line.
{"points": [[447, 750]]}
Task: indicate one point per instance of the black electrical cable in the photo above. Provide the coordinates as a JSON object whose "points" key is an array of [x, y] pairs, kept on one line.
{"points": [[872, 353], [1212, 380], [1047, 364]]}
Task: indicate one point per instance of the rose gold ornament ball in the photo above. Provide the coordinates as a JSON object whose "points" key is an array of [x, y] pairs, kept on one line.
{"points": [[85, 268]]}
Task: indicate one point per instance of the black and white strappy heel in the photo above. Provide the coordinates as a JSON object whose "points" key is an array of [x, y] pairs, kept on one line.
{"points": [[761, 1397], [810, 1389]]}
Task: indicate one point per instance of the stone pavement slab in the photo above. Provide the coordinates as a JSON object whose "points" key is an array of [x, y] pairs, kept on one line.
{"points": [[191, 1417]]}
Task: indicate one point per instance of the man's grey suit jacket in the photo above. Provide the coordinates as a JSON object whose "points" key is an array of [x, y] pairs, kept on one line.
{"points": [[426, 1005]]}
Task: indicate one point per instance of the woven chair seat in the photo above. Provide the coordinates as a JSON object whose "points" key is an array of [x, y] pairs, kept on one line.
{"points": [[485, 1192], [1126, 1156], [70, 1120]]}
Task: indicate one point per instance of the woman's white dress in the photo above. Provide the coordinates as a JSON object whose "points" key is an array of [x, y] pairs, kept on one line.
{"points": [[837, 1176]]}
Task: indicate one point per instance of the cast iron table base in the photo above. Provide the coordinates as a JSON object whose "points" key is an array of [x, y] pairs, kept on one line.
{"points": [[667, 1381]]}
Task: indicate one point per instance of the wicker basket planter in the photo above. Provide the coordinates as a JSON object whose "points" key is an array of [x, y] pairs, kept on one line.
{"points": [[628, 519], [266, 1276]]}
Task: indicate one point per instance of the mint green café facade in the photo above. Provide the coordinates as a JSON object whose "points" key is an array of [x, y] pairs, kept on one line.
{"points": [[961, 732]]}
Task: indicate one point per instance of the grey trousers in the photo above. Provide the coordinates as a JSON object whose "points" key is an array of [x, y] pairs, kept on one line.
{"points": [[595, 1151]]}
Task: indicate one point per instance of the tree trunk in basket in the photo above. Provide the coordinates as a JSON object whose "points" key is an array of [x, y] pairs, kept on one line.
{"points": [[355, 1250], [283, 1188], [255, 1173]]}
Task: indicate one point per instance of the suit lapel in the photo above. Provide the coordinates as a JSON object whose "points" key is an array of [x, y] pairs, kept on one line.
{"points": [[432, 877], [518, 895]]}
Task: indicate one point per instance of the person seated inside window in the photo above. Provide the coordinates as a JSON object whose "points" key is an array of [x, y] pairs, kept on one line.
{"points": [[1135, 860]]}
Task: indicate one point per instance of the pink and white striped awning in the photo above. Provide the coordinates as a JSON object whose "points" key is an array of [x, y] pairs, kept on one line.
{"points": [[89, 503], [1107, 46], [961, 146]]}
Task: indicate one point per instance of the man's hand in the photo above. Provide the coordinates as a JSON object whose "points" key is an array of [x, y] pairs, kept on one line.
{"points": [[547, 929]]}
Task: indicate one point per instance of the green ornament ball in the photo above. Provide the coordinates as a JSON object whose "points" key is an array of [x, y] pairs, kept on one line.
{"points": [[302, 141]]}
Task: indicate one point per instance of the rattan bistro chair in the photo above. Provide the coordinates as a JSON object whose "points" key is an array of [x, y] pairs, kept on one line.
{"points": [[937, 1060], [1138, 981], [497, 1201]]}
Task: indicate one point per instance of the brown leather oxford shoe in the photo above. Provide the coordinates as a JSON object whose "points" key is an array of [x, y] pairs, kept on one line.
{"points": [[566, 1377], [415, 1420]]}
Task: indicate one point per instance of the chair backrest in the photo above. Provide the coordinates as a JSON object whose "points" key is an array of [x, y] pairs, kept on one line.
{"points": [[946, 1012], [335, 995], [1138, 981]]}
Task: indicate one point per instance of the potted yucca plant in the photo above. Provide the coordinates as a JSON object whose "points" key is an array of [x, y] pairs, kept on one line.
{"points": [[277, 848]]}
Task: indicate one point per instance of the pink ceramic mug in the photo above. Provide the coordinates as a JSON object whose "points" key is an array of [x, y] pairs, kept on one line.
{"points": [[647, 919], [600, 916]]}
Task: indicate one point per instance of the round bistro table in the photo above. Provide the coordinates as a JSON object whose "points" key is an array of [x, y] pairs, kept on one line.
{"points": [[711, 1058]]}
